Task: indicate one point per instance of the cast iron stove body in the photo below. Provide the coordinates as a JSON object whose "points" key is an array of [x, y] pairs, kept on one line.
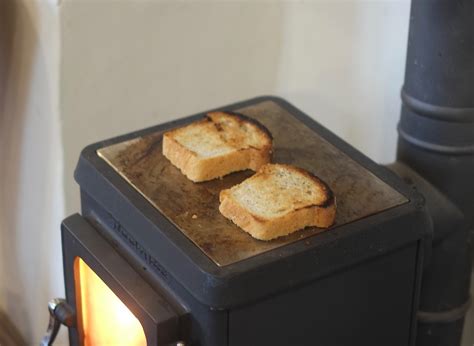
{"points": [[189, 275]]}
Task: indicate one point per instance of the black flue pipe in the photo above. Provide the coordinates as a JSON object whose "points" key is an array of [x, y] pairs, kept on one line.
{"points": [[436, 145]]}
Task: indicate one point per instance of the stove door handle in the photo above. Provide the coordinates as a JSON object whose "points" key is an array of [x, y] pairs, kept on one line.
{"points": [[60, 312]]}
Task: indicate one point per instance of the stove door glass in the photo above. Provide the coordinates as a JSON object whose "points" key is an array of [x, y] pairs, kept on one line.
{"points": [[103, 318], [114, 304]]}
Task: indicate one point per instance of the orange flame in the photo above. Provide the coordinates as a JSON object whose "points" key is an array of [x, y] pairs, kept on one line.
{"points": [[104, 320]]}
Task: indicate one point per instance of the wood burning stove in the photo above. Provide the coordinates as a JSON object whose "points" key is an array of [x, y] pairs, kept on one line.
{"points": [[151, 261], [151, 257]]}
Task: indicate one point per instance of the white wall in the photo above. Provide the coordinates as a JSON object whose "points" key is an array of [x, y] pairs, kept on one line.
{"points": [[31, 195], [131, 64], [343, 63]]}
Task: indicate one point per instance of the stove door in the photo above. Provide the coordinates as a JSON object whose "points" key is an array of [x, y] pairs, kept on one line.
{"points": [[114, 305]]}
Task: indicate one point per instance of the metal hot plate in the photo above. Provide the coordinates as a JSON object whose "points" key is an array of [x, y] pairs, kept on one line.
{"points": [[193, 207]]}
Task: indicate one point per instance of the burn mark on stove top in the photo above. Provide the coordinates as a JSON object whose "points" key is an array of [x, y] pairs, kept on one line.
{"points": [[140, 161]]}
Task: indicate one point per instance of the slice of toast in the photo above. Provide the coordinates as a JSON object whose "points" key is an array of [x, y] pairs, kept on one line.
{"points": [[279, 200], [217, 145]]}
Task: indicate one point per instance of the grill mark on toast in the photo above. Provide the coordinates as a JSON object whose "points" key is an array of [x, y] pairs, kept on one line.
{"points": [[228, 133], [243, 118], [218, 127]]}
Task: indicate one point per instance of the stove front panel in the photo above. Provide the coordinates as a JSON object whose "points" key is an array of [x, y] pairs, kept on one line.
{"points": [[370, 304]]}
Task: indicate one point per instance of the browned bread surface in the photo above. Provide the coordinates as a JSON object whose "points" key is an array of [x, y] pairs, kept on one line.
{"points": [[217, 145], [279, 200]]}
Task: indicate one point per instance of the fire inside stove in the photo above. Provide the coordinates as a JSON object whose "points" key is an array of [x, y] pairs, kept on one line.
{"points": [[103, 318]]}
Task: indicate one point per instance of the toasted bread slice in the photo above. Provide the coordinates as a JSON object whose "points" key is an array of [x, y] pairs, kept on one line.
{"points": [[217, 145], [278, 200]]}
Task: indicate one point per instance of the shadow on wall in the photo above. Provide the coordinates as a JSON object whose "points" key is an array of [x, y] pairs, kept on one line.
{"points": [[25, 105], [10, 126], [16, 58]]}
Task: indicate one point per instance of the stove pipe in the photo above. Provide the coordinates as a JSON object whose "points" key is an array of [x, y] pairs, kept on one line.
{"points": [[436, 154]]}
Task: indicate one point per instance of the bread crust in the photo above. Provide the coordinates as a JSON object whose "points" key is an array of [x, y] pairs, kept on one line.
{"points": [[198, 168], [321, 215]]}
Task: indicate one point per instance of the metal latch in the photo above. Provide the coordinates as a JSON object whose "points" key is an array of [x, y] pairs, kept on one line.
{"points": [[60, 312]]}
